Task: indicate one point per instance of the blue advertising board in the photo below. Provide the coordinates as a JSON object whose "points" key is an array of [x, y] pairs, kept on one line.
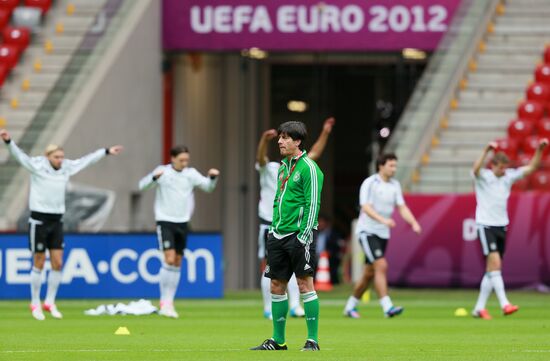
{"points": [[114, 266]]}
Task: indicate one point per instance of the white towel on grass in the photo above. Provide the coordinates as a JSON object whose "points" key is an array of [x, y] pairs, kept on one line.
{"points": [[137, 308]]}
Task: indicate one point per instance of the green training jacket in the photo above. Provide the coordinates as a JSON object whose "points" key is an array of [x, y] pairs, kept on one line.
{"points": [[298, 198]]}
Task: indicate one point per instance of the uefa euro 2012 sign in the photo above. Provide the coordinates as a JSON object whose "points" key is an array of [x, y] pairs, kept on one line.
{"points": [[115, 266], [280, 25]]}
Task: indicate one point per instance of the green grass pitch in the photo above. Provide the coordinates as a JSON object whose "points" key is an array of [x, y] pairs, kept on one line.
{"points": [[225, 329]]}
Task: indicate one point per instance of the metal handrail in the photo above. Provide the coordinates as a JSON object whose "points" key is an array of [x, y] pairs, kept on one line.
{"points": [[439, 85]]}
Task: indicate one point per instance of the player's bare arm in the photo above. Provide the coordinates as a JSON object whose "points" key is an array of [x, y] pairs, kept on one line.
{"points": [[261, 153], [481, 160], [319, 146], [408, 216], [534, 163], [369, 210]]}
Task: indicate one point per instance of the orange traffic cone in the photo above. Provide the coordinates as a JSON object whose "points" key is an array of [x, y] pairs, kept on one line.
{"points": [[322, 278]]}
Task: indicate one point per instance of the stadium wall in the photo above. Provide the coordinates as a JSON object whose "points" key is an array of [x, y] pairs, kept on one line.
{"points": [[218, 111], [127, 110]]}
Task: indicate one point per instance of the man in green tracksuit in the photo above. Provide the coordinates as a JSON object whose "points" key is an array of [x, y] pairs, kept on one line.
{"points": [[291, 241]]}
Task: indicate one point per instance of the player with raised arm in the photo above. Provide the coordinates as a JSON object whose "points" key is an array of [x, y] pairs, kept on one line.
{"points": [[268, 187], [492, 188], [378, 196], [49, 177], [292, 235], [175, 183]]}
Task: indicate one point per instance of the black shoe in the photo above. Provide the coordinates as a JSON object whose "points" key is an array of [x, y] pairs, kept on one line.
{"points": [[311, 346], [270, 345]]}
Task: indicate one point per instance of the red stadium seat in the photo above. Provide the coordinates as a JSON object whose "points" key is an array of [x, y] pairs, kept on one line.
{"points": [[4, 72], [541, 181], [530, 145], [4, 18], [43, 5], [9, 55], [530, 110], [521, 185], [20, 37], [543, 128], [539, 92], [519, 129], [9, 5], [542, 73], [508, 146], [522, 159]]}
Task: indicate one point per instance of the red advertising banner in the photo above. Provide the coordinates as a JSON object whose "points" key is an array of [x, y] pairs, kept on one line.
{"points": [[305, 25], [448, 252]]}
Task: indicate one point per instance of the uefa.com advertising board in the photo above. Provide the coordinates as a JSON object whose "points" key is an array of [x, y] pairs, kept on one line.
{"points": [[115, 266], [305, 25]]}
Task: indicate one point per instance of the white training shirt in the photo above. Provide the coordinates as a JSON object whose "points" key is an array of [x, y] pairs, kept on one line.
{"points": [[382, 196], [48, 185], [492, 195], [174, 197], [268, 189]]}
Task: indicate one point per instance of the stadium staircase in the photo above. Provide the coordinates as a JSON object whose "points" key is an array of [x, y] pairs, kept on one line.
{"points": [[43, 67], [489, 88]]}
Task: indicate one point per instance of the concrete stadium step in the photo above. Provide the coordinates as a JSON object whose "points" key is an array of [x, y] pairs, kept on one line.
{"points": [[462, 153], [517, 59], [486, 126], [478, 123], [523, 39], [512, 48], [479, 134], [502, 88], [459, 116], [22, 104], [486, 92], [522, 4], [451, 163], [522, 20], [477, 80], [437, 168], [521, 11], [489, 68], [487, 105], [471, 143], [522, 29], [85, 4]]}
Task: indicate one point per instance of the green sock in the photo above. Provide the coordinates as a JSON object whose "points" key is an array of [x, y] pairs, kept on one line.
{"points": [[279, 310], [311, 308]]}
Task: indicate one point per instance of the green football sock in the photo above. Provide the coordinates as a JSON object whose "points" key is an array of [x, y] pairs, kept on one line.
{"points": [[279, 310], [311, 308]]}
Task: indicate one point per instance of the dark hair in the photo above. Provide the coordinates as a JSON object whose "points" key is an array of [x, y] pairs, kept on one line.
{"points": [[177, 150], [500, 157], [295, 130], [383, 158]]}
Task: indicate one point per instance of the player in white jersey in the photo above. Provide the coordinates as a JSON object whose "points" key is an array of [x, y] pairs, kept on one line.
{"points": [[268, 187], [175, 183], [49, 177], [492, 187], [378, 196]]}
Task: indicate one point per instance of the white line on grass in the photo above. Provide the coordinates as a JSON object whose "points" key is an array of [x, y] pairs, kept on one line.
{"points": [[120, 350]]}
